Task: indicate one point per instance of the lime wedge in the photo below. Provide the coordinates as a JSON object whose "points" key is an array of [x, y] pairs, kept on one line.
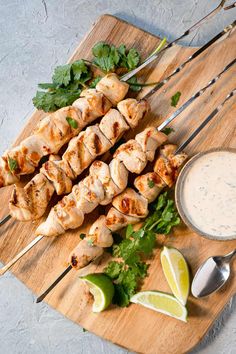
{"points": [[161, 302], [102, 288], [176, 272]]}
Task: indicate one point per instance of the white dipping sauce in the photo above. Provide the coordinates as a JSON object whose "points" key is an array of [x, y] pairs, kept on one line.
{"points": [[209, 193]]}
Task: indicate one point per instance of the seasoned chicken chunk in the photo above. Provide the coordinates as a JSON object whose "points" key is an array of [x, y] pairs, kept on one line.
{"points": [[68, 214], [84, 253], [95, 190], [34, 148], [115, 220], [119, 173], [17, 162], [95, 141], [150, 139], [133, 110], [149, 185], [61, 182], [132, 156], [167, 165], [80, 191], [113, 125], [30, 202], [51, 226], [77, 154], [100, 234], [102, 172], [114, 89], [92, 104], [131, 203], [6, 177], [56, 130]]}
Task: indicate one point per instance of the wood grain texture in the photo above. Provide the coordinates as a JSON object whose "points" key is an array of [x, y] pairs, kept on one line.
{"points": [[136, 328]]}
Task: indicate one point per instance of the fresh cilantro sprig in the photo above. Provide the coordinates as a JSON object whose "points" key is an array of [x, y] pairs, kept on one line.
{"points": [[130, 268], [175, 99], [108, 58], [67, 83]]}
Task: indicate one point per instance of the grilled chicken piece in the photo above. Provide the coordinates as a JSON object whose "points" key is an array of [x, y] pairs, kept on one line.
{"points": [[55, 129], [83, 254], [79, 192], [95, 141], [114, 89], [102, 172], [64, 165], [6, 177], [100, 234], [68, 215], [20, 163], [131, 203], [51, 226], [34, 148], [132, 156], [77, 154], [150, 139], [61, 182], [167, 165], [95, 190], [149, 185], [133, 110], [113, 125], [31, 201], [119, 173], [92, 104], [115, 220]]}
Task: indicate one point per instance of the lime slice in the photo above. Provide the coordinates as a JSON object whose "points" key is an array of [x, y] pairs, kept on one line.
{"points": [[161, 302], [176, 272], [102, 288]]}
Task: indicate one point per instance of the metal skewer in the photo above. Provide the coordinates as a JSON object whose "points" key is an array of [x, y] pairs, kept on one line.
{"points": [[171, 44], [159, 128], [181, 147], [227, 29]]}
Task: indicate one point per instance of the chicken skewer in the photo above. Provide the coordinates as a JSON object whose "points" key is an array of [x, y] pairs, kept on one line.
{"points": [[23, 193], [25, 158], [82, 255], [17, 257], [77, 159]]}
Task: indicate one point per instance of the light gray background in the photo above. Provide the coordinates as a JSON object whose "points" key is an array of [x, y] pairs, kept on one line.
{"points": [[35, 36]]}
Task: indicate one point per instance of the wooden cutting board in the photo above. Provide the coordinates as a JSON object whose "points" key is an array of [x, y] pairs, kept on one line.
{"points": [[137, 328]]}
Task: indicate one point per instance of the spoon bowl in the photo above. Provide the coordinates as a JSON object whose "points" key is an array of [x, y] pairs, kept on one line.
{"points": [[212, 275]]}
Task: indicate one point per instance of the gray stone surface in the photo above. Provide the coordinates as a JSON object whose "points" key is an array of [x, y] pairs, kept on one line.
{"points": [[35, 36]]}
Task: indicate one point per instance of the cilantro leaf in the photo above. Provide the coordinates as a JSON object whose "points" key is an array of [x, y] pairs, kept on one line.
{"points": [[151, 183], [13, 164], [44, 101], [175, 99], [95, 81], [133, 58], [129, 230], [82, 236], [134, 85], [62, 75], [167, 130], [73, 123], [79, 67]]}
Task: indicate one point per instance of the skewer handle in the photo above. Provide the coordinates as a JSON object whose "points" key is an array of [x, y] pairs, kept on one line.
{"points": [[20, 254]]}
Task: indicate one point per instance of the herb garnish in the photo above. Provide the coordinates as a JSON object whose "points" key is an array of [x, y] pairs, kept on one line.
{"points": [[108, 58], [151, 183], [130, 269], [175, 99], [68, 80], [73, 123], [82, 236], [13, 164], [167, 130]]}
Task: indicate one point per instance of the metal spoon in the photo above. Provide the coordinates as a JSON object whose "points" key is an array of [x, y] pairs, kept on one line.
{"points": [[212, 275]]}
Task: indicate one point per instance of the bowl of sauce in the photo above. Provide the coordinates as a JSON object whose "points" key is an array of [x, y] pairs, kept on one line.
{"points": [[206, 194]]}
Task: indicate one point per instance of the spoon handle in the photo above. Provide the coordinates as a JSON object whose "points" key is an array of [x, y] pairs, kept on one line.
{"points": [[230, 255]]}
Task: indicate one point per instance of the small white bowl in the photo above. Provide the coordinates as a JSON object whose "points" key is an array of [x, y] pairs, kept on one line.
{"points": [[179, 194]]}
